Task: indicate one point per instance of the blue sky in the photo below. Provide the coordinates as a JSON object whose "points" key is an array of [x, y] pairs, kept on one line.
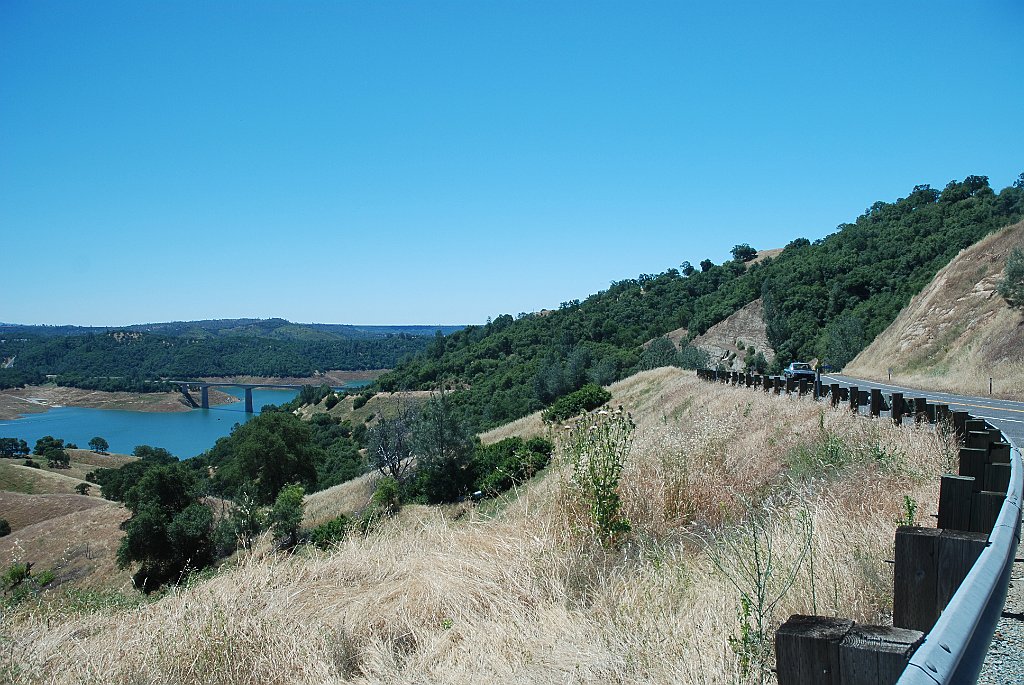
{"points": [[442, 162]]}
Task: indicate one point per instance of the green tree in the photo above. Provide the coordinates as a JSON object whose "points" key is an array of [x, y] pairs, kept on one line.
{"points": [[661, 352], [47, 442], [1011, 287], [12, 448], [706, 265], [443, 449], [844, 338], [169, 532], [57, 458], [263, 455], [286, 514], [743, 252], [98, 444], [82, 488]]}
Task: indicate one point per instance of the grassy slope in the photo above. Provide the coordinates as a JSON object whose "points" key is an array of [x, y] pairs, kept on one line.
{"points": [[522, 594], [958, 332]]}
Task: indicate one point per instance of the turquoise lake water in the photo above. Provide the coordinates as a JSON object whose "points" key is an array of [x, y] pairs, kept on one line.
{"points": [[183, 434]]}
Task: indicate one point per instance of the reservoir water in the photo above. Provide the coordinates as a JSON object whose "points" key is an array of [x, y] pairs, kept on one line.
{"points": [[183, 434]]}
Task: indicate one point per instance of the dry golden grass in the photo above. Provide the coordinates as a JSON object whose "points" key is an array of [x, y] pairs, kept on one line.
{"points": [[345, 498], [454, 596], [958, 332], [15, 477], [23, 510], [526, 427], [79, 547]]}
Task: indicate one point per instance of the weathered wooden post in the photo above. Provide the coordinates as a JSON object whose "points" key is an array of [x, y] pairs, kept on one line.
{"points": [[875, 409], [837, 651], [955, 495], [897, 408], [803, 387], [779, 383], [834, 395], [960, 424], [920, 410], [930, 565], [790, 384], [854, 399]]}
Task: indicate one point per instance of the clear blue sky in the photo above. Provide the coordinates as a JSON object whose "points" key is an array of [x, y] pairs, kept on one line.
{"points": [[442, 162]]}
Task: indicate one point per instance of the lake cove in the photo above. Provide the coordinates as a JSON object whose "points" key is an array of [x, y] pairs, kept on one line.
{"points": [[184, 434]]}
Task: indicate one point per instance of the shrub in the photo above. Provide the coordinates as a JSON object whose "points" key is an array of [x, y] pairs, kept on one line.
{"points": [[286, 514], [510, 462], [5, 527], [387, 498], [1012, 285], [588, 397], [361, 399], [327, 534], [331, 401]]}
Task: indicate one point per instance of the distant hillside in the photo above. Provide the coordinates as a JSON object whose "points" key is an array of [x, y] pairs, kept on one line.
{"points": [[262, 328], [825, 300], [958, 332], [120, 359]]}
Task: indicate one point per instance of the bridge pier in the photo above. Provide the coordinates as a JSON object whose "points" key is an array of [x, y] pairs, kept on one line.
{"points": [[248, 401], [205, 396]]}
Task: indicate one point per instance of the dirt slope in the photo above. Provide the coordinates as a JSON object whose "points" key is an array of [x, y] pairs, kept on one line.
{"points": [[22, 510], [80, 547], [746, 326], [958, 332]]}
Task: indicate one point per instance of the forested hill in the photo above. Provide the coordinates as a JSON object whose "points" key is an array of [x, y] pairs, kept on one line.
{"points": [[825, 299], [122, 359]]}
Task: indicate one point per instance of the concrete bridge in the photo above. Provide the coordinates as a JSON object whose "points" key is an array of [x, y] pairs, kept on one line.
{"points": [[204, 389]]}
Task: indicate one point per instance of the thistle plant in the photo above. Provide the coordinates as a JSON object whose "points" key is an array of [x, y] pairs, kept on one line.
{"points": [[595, 447]]}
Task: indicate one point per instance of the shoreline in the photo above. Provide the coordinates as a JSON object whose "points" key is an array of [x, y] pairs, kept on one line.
{"points": [[37, 399]]}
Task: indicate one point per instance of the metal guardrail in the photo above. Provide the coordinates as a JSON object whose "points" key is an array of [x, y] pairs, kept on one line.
{"points": [[955, 648]]}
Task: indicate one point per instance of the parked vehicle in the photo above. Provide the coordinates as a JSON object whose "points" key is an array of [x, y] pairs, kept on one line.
{"points": [[799, 370]]}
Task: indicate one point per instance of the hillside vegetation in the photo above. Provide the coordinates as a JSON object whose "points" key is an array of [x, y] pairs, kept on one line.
{"points": [[825, 300], [958, 332], [125, 359], [522, 590]]}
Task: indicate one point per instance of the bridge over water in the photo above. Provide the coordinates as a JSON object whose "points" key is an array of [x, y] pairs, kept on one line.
{"points": [[204, 389]]}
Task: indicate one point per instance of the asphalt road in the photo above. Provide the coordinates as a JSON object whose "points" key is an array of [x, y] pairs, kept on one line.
{"points": [[1006, 415]]}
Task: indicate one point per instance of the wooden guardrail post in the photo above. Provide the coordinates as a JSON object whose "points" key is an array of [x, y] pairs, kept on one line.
{"points": [[930, 565], [920, 409], [960, 424], [803, 387], [955, 494], [875, 408], [834, 394], [854, 399], [897, 408], [779, 383], [836, 651]]}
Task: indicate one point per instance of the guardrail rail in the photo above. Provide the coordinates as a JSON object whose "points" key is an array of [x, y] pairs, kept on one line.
{"points": [[950, 582]]}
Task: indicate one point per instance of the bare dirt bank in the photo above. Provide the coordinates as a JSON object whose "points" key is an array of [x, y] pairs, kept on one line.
{"points": [[35, 399]]}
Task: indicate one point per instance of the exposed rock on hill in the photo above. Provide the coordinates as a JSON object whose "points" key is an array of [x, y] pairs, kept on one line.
{"points": [[729, 340], [957, 332]]}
